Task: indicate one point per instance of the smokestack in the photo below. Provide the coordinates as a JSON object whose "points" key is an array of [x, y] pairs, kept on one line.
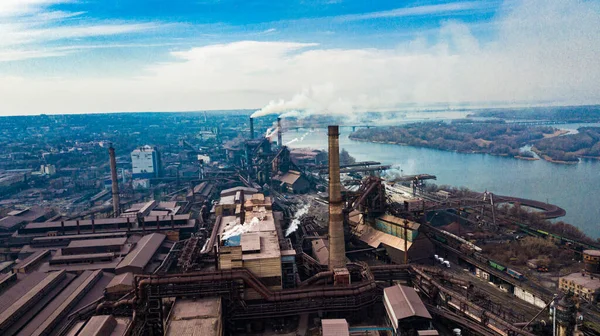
{"points": [[115, 181], [337, 250], [251, 128], [279, 141]]}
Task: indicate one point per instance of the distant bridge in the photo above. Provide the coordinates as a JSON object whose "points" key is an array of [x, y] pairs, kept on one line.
{"points": [[354, 127]]}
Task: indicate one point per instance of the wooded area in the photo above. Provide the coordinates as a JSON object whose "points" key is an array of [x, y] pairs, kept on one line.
{"points": [[466, 136]]}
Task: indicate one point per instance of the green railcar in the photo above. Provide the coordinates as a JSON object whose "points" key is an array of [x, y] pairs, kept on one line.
{"points": [[496, 266]]}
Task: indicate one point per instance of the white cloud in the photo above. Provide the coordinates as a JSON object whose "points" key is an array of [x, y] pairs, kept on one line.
{"points": [[18, 55], [545, 50], [25, 7], [453, 7], [27, 25]]}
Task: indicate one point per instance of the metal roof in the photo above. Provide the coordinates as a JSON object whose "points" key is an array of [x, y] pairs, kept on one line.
{"points": [[594, 253], [98, 242], [201, 317], [402, 302], [50, 316], [32, 259], [250, 242], [585, 281], [143, 251], [81, 236], [124, 281], [76, 257], [375, 238], [19, 289], [335, 327], [400, 221], [290, 177], [100, 325], [31, 296], [102, 221]]}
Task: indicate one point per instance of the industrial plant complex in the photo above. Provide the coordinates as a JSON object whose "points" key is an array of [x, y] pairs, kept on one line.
{"points": [[217, 227]]}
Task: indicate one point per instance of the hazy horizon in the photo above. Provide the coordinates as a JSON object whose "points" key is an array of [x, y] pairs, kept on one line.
{"points": [[318, 57]]}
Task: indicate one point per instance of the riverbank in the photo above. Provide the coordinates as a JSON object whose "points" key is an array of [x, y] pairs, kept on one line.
{"points": [[525, 158], [539, 180]]}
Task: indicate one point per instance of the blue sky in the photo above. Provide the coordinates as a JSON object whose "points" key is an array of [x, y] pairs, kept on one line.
{"points": [[77, 56]]}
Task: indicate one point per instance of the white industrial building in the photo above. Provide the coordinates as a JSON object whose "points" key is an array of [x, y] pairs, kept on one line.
{"points": [[145, 162]]}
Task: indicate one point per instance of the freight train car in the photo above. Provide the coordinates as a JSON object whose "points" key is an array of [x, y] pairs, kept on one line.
{"points": [[515, 274]]}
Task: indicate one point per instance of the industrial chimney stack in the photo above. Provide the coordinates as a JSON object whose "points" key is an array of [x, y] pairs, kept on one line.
{"points": [[251, 128], [337, 250], [115, 181], [279, 141]]}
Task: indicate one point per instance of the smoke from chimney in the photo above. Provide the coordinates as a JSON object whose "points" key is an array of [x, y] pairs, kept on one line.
{"points": [[115, 181], [337, 249]]}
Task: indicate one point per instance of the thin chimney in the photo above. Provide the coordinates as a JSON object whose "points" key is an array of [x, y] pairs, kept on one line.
{"points": [[251, 128], [337, 249], [279, 141], [115, 181]]}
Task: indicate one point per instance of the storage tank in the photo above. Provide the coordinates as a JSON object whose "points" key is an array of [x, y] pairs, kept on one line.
{"points": [[591, 260]]}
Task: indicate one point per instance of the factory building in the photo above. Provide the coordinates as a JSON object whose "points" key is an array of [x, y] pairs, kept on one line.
{"points": [[181, 223], [16, 218], [586, 286], [38, 303], [405, 310], [250, 237], [143, 253], [145, 162], [292, 182], [419, 247]]}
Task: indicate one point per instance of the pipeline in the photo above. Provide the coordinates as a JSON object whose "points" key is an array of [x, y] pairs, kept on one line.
{"points": [[316, 278], [213, 236], [252, 282], [110, 306]]}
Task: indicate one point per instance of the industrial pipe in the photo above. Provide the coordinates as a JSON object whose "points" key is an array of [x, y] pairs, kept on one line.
{"points": [[250, 280], [251, 128], [315, 278]]}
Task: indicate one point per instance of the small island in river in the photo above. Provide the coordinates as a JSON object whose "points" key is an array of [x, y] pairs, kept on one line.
{"points": [[491, 137]]}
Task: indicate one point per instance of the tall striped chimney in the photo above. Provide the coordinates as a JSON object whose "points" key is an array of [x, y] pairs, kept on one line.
{"points": [[115, 181], [279, 141], [337, 250]]}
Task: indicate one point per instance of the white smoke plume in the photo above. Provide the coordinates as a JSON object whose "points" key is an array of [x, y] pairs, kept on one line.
{"points": [[319, 99], [236, 229], [296, 221], [271, 132], [393, 174], [298, 139]]}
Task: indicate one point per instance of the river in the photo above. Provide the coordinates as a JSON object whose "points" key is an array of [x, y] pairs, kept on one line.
{"points": [[572, 187]]}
